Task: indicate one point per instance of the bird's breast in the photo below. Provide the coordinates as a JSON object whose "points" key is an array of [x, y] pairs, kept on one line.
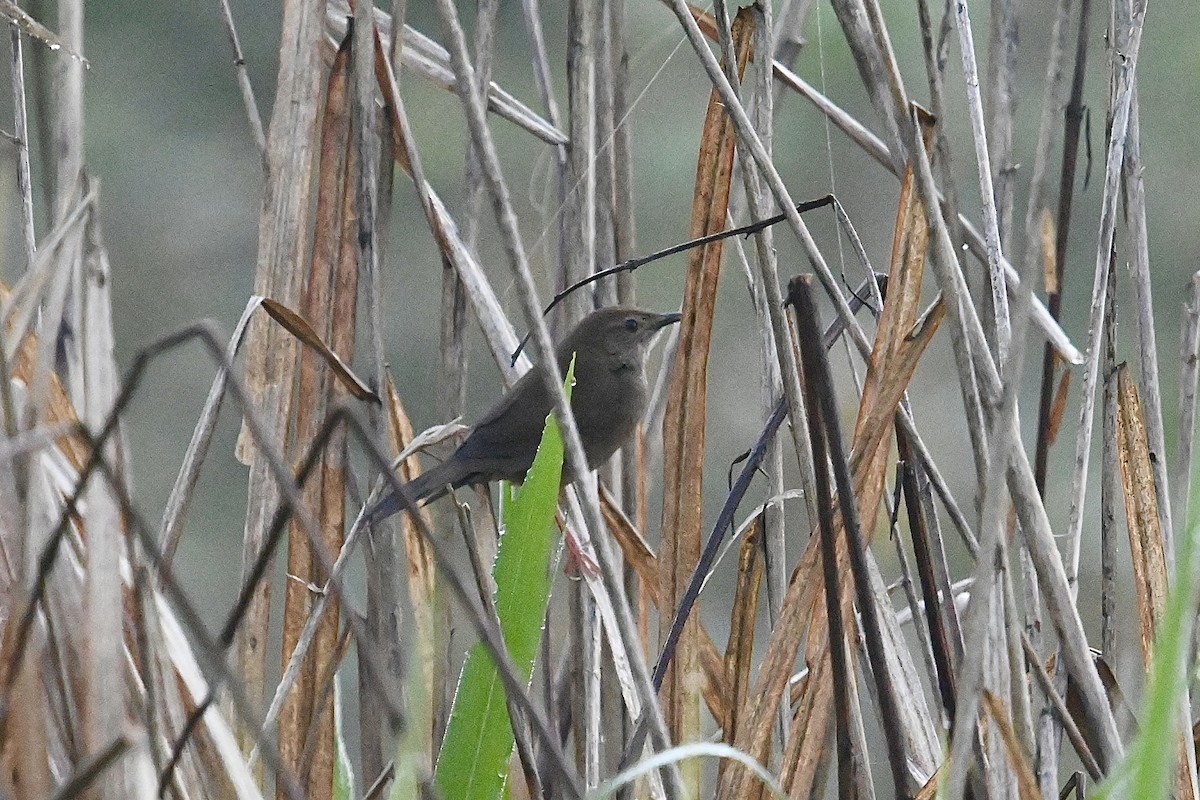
{"points": [[607, 405]]}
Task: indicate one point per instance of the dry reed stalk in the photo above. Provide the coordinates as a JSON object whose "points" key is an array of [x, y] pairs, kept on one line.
{"points": [[685, 418], [271, 358], [99, 634]]}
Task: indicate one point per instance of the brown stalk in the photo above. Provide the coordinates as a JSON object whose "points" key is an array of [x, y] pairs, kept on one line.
{"points": [[684, 420], [1058, 408], [930, 789], [322, 721], [335, 196], [1146, 543], [59, 409], [1055, 256], [843, 675], [1141, 510], [895, 355], [342, 313], [637, 554], [23, 736], [804, 760], [823, 424], [387, 84], [943, 650], [743, 616], [37, 678], [73, 653], [903, 332], [898, 345], [1027, 786], [270, 364]]}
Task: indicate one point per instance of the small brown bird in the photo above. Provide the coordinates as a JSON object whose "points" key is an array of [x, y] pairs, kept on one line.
{"points": [[608, 400]]}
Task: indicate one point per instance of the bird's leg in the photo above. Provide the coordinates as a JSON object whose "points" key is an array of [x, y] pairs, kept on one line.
{"points": [[579, 558]]}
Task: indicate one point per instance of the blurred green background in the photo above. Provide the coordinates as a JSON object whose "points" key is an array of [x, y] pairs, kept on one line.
{"points": [[168, 139]]}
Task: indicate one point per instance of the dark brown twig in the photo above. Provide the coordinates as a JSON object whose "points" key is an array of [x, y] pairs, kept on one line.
{"points": [[634, 263], [823, 424], [1073, 116], [942, 654]]}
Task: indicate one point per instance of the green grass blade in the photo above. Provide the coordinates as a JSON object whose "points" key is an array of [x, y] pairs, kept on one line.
{"points": [[473, 763]]}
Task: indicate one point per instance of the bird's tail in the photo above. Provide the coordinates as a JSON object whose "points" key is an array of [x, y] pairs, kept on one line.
{"points": [[426, 487]]}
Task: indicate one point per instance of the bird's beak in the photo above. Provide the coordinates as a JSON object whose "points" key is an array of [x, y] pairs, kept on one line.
{"points": [[667, 319]]}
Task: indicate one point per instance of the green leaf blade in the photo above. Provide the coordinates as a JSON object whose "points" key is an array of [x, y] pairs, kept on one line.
{"points": [[473, 763]]}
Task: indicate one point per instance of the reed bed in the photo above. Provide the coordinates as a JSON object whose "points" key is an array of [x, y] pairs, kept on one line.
{"points": [[890, 629]]}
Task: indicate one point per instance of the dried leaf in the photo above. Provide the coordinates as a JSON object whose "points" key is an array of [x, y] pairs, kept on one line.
{"points": [[1049, 253], [894, 359], [1141, 509], [306, 728], [637, 554], [296, 325], [1027, 785], [685, 416], [1058, 408], [739, 651]]}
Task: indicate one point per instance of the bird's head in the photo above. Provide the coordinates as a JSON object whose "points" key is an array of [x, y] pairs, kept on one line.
{"points": [[619, 334]]}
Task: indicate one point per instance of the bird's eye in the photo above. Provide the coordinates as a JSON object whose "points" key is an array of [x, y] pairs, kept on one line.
{"points": [[631, 324]]}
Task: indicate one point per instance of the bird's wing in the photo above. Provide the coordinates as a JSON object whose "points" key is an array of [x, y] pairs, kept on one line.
{"points": [[506, 438]]}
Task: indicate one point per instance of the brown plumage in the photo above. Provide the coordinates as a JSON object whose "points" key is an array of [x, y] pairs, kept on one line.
{"points": [[608, 399]]}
